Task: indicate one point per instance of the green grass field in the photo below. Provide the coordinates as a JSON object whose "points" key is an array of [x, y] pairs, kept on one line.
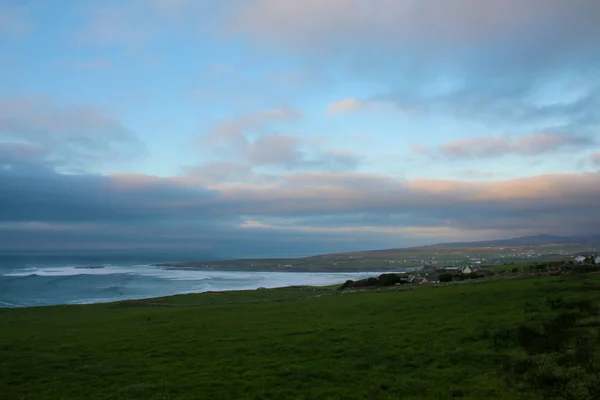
{"points": [[521, 338]]}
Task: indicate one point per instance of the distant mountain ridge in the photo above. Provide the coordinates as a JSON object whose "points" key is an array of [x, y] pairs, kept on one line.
{"points": [[534, 240], [545, 247]]}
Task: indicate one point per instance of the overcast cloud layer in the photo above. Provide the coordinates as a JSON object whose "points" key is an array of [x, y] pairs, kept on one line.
{"points": [[267, 127]]}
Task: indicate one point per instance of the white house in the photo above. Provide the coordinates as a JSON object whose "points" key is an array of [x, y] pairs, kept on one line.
{"points": [[466, 270], [597, 260], [579, 259]]}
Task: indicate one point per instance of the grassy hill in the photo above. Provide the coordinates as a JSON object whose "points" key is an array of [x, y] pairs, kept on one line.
{"points": [[404, 259], [522, 338]]}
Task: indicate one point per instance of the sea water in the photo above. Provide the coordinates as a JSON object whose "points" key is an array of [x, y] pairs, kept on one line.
{"points": [[50, 281]]}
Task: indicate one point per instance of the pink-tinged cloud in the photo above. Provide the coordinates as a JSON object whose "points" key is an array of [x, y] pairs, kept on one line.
{"points": [[430, 233], [368, 192], [342, 205], [418, 149], [499, 146], [476, 147], [547, 142], [276, 150], [344, 106]]}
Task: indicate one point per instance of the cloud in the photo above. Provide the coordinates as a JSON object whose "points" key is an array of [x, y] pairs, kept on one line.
{"points": [[476, 174], [112, 24], [13, 152], [544, 143], [217, 173], [276, 150], [513, 66], [304, 209], [476, 147], [522, 206], [344, 106], [499, 146], [284, 150], [39, 194], [252, 140], [72, 138], [134, 23], [427, 21], [229, 137], [470, 60], [509, 64], [258, 121], [14, 20], [595, 159]]}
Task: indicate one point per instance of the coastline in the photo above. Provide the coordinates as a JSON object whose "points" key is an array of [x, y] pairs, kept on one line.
{"points": [[185, 266]]}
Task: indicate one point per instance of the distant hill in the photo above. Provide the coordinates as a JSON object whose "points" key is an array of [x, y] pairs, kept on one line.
{"points": [[521, 249], [535, 240]]}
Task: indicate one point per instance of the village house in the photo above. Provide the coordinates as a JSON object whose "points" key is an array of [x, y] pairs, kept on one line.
{"points": [[579, 259], [415, 279], [431, 279]]}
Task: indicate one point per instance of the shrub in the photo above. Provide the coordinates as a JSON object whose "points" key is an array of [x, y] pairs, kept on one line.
{"points": [[346, 285], [388, 279], [382, 280]]}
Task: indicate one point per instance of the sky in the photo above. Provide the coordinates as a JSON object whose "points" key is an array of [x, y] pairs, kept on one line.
{"points": [[290, 127]]}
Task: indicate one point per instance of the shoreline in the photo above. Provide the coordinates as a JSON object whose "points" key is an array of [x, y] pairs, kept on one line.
{"points": [[274, 279], [332, 270]]}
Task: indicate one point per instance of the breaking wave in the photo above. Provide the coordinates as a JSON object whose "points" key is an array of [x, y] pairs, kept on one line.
{"points": [[27, 286]]}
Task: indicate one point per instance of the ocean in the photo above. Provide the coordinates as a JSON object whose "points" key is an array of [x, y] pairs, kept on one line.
{"points": [[42, 281]]}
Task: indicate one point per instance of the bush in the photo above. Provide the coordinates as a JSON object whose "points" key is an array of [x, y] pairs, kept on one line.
{"points": [[446, 278], [382, 280], [346, 285], [388, 279]]}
